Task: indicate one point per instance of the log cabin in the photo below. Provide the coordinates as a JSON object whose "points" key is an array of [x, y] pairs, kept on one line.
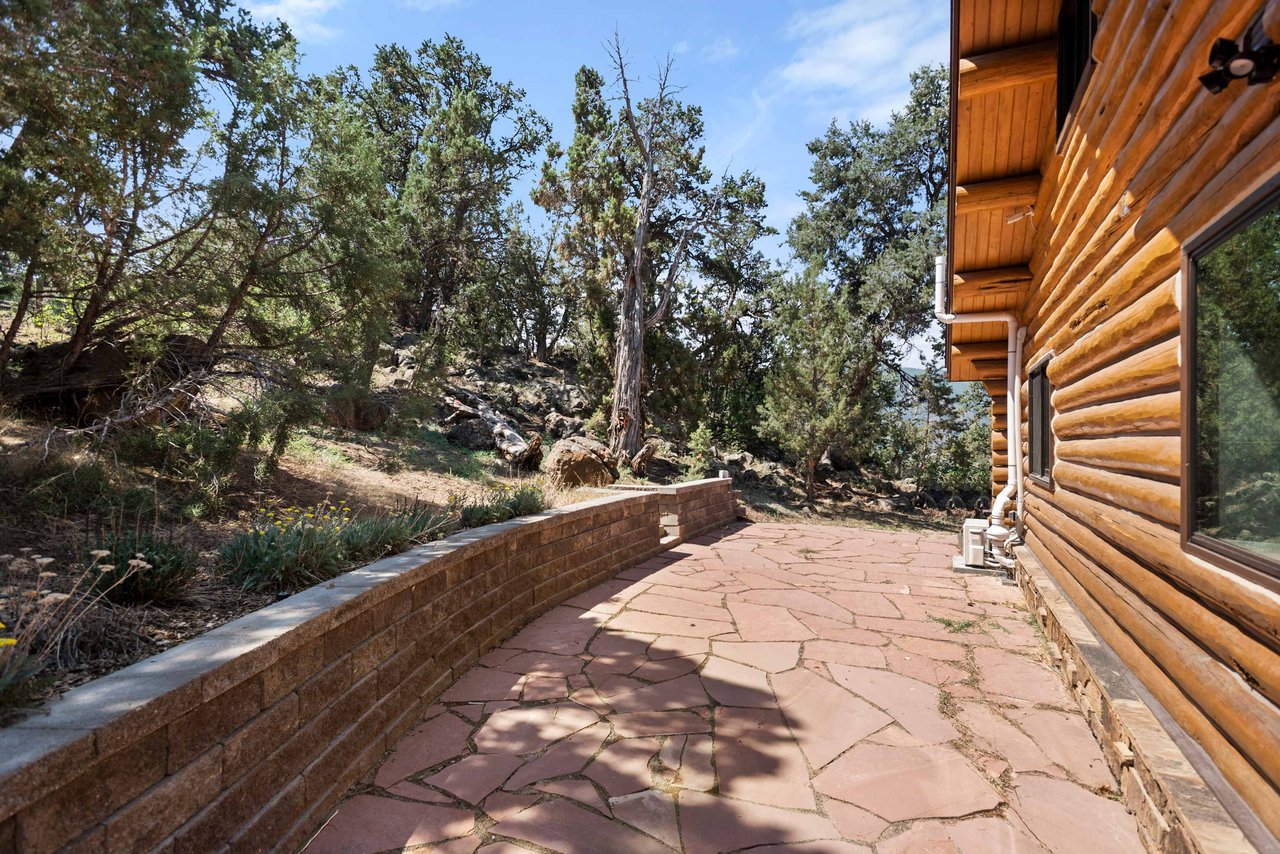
{"points": [[1112, 277]]}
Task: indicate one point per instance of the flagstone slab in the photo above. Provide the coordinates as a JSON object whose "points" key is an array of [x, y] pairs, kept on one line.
{"points": [[776, 688], [440, 738], [825, 719], [1020, 678], [528, 729], [904, 783], [714, 824], [770, 656], [368, 824], [564, 826], [474, 778], [732, 684], [650, 811], [912, 703], [757, 761], [1066, 817], [767, 623]]}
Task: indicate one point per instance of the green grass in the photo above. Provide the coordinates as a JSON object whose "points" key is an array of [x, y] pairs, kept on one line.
{"points": [[427, 449], [306, 449]]}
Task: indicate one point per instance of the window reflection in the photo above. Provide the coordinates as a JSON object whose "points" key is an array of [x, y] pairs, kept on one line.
{"points": [[1236, 480]]}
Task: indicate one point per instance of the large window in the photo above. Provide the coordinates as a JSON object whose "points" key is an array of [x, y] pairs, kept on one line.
{"points": [[1234, 436], [1040, 415], [1076, 26]]}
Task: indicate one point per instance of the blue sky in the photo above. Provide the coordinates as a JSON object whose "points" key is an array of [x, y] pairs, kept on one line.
{"points": [[770, 75]]}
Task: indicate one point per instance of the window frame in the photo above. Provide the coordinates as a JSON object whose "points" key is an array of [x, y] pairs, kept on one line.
{"points": [[1243, 562], [1041, 369], [1065, 122]]}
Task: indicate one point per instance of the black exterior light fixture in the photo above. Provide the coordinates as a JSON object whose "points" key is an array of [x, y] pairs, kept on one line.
{"points": [[1253, 57]]}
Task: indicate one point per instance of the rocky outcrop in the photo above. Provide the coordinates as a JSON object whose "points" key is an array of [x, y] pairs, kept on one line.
{"points": [[563, 426], [579, 461], [473, 434]]}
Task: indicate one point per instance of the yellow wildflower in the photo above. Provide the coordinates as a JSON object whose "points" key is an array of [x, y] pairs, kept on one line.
{"points": [[7, 642]]}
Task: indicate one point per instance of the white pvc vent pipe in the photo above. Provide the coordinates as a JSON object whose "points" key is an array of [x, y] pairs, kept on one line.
{"points": [[997, 532]]}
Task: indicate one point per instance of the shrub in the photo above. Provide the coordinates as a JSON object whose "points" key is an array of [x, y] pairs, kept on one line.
{"points": [[291, 548], [35, 620], [498, 504], [143, 567], [700, 457], [59, 487]]}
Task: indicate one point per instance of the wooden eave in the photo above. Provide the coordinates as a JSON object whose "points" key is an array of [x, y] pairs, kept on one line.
{"points": [[1003, 109]]}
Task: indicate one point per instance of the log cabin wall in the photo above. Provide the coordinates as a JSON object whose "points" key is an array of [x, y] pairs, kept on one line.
{"points": [[1148, 160]]}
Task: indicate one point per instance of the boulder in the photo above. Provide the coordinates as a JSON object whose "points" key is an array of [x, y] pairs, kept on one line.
{"points": [[473, 434], [579, 461], [563, 426]]}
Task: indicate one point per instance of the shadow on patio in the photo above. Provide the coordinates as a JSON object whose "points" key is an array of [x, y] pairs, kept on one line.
{"points": [[773, 687]]}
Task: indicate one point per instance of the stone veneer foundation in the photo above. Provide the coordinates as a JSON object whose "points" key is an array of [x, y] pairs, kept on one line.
{"points": [[253, 731], [1179, 811]]}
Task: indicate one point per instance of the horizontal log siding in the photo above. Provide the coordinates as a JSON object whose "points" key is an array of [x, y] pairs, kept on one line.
{"points": [[1151, 160]]}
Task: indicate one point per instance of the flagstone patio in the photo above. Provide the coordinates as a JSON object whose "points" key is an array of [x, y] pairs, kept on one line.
{"points": [[773, 687]]}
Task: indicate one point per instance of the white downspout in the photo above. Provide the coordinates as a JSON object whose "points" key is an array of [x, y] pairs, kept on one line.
{"points": [[997, 532]]}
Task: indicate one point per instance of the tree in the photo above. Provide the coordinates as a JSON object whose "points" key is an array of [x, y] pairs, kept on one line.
{"points": [[808, 402], [874, 221], [640, 200], [452, 140]]}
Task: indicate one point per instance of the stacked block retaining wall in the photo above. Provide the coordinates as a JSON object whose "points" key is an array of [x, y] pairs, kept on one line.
{"points": [[245, 738], [693, 508]]}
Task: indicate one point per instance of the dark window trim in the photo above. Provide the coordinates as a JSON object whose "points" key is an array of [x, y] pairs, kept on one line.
{"points": [[1242, 562], [1042, 479], [1066, 123]]}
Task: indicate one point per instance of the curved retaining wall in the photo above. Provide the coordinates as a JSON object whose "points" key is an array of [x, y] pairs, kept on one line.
{"points": [[692, 508], [248, 735]]}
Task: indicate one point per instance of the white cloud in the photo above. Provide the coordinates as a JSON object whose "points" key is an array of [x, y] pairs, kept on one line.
{"points": [[853, 57], [302, 16], [720, 49]]}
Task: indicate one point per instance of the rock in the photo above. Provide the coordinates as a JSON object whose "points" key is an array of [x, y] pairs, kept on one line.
{"points": [[739, 458], [579, 461], [472, 434], [563, 426], [640, 462], [840, 459], [882, 505]]}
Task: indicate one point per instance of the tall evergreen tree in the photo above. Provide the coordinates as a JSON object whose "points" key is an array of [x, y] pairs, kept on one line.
{"points": [[808, 403]]}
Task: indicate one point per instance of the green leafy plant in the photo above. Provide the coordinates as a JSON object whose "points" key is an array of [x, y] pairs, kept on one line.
{"points": [[35, 619], [498, 504], [138, 566], [700, 457], [292, 547]]}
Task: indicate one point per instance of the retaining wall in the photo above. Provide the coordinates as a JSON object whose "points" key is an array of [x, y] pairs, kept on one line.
{"points": [[247, 736], [693, 508]]}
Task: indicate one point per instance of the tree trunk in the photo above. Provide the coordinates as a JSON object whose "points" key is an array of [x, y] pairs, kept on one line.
{"points": [[19, 314], [626, 428]]}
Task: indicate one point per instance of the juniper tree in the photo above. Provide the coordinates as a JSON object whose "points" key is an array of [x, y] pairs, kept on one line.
{"points": [[640, 201], [808, 396]]}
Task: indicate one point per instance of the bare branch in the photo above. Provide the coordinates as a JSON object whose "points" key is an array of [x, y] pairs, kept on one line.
{"points": [[628, 111]]}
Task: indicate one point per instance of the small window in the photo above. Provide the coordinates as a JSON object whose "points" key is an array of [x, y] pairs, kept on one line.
{"points": [[1076, 26], [1234, 453], [1040, 412]]}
